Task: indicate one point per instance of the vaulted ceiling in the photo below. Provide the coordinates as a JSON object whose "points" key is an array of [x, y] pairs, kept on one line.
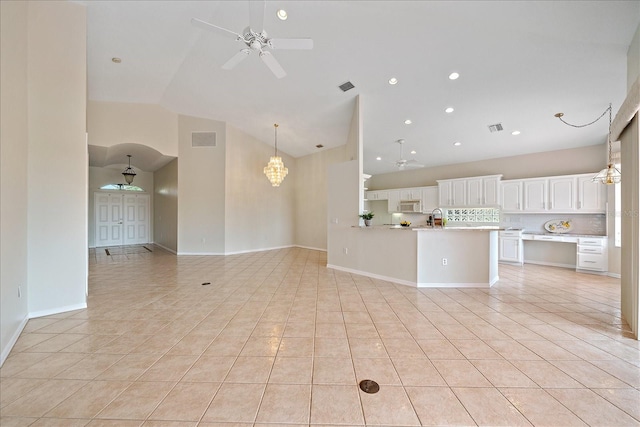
{"points": [[520, 62]]}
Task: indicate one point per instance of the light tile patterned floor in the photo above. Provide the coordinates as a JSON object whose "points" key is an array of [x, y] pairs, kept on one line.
{"points": [[278, 339]]}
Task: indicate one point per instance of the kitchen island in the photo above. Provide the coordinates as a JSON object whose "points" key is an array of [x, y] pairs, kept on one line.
{"points": [[422, 257]]}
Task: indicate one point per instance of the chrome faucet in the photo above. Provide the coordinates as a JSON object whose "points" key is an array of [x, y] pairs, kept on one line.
{"points": [[433, 215]]}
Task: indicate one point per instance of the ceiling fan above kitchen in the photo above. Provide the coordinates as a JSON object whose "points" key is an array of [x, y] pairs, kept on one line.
{"points": [[257, 41], [403, 163]]}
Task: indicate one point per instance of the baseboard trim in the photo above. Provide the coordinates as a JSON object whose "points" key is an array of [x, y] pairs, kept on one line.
{"points": [[456, 285], [310, 248], [373, 276], [615, 275], [258, 250], [13, 340], [165, 248], [49, 312], [550, 264]]}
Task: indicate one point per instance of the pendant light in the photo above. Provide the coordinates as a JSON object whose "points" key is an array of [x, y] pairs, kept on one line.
{"points": [[275, 169], [610, 174], [129, 173]]}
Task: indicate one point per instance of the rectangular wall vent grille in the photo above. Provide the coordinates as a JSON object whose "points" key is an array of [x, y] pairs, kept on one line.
{"points": [[346, 86], [203, 139], [495, 128]]}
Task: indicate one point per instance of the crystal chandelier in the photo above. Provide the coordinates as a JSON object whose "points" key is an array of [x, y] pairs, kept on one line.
{"points": [[129, 173], [275, 169], [610, 174]]}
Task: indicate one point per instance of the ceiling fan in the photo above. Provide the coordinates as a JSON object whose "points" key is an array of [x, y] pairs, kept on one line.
{"points": [[257, 41], [402, 162]]}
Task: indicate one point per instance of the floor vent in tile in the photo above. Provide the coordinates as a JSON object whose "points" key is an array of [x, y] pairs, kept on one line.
{"points": [[369, 386]]}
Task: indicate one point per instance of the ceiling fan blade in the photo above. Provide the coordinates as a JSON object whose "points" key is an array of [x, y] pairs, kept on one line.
{"points": [[236, 59], [414, 165], [210, 27], [273, 65], [300, 44]]}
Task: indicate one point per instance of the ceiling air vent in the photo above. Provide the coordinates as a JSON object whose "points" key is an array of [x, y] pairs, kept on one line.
{"points": [[496, 128], [346, 86], [203, 139]]}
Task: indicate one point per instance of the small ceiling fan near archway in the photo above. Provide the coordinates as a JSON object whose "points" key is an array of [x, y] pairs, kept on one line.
{"points": [[256, 39], [403, 163]]}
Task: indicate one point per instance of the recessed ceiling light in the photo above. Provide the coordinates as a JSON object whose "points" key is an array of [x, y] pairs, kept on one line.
{"points": [[393, 81], [457, 143], [453, 76], [378, 158], [413, 151], [515, 132], [448, 110], [116, 60], [408, 122], [282, 14]]}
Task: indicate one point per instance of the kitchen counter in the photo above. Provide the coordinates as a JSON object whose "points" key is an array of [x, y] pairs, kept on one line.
{"points": [[429, 257]]}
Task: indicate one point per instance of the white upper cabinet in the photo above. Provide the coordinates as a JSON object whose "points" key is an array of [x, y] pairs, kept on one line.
{"points": [[410, 193], [562, 194], [378, 195], [429, 199], [474, 192], [592, 196], [393, 201], [511, 192], [534, 194]]}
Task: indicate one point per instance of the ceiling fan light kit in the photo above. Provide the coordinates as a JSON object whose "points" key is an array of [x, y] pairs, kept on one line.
{"points": [[257, 42], [402, 163]]}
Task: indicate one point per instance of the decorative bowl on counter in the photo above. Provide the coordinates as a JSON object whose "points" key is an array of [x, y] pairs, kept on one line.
{"points": [[558, 226], [405, 223]]}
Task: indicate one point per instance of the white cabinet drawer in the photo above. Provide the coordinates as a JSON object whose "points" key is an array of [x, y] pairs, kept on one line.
{"points": [[590, 249], [592, 262], [586, 241], [511, 233], [549, 238]]}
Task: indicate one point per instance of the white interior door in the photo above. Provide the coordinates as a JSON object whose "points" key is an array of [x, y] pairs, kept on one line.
{"points": [[109, 219], [136, 219]]}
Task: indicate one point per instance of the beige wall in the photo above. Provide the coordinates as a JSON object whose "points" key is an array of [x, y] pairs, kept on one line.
{"points": [[201, 186], [257, 215], [561, 162], [13, 172], [311, 197], [633, 59], [630, 300], [112, 123], [165, 206], [113, 175], [57, 217]]}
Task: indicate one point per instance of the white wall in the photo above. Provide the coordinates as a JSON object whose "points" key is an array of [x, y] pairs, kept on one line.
{"points": [[57, 201], [13, 173], [342, 210], [113, 175], [165, 206], [201, 186], [311, 197], [257, 215], [113, 123]]}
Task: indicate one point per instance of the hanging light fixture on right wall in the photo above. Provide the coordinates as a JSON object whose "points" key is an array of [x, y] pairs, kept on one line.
{"points": [[610, 174]]}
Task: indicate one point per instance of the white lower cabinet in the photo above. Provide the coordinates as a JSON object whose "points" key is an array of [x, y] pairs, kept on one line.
{"points": [[592, 254], [510, 247]]}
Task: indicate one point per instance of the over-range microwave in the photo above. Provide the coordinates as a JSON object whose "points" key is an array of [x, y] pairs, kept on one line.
{"points": [[410, 206]]}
